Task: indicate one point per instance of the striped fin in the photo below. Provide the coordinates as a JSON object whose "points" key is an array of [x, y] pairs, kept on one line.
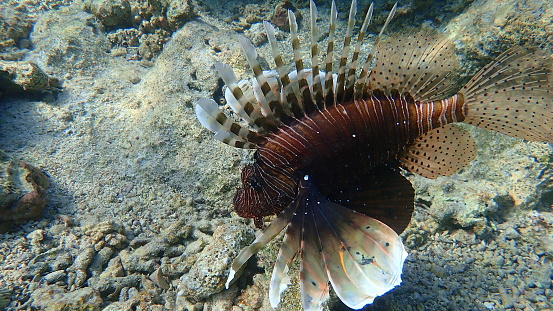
{"points": [[243, 105], [329, 80], [361, 84], [306, 100], [290, 95], [350, 80], [288, 249], [268, 100], [231, 133], [440, 152], [514, 95], [282, 74], [345, 51], [276, 226]]}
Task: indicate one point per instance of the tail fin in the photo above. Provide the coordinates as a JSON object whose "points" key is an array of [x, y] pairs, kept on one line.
{"points": [[513, 95]]}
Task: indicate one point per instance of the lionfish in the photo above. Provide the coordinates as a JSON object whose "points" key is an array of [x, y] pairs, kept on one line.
{"points": [[330, 146]]}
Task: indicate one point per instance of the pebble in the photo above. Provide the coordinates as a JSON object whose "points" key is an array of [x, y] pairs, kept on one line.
{"points": [[36, 236], [511, 233], [55, 276], [83, 260], [100, 260]]}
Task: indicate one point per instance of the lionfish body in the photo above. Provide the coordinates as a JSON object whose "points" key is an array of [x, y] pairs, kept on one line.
{"points": [[329, 147]]}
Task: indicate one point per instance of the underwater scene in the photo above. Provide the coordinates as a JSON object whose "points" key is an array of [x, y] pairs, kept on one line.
{"points": [[276, 155]]}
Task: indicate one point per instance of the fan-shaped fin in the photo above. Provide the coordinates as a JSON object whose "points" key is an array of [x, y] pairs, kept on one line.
{"points": [[423, 64], [363, 257], [514, 95], [231, 133], [440, 152], [384, 194]]}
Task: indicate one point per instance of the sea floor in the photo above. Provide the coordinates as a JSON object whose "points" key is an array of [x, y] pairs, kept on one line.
{"points": [[139, 213]]}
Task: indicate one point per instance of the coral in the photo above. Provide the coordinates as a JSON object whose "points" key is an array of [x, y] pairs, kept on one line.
{"points": [[22, 192], [22, 77]]}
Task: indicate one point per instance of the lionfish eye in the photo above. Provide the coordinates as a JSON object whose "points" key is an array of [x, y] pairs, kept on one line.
{"points": [[254, 183]]}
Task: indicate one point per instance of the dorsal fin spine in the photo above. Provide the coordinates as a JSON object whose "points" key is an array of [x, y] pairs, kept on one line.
{"points": [[363, 85], [305, 92], [317, 88], [329, 79], [251, 56], [345, 51], [301, 83], [350, 81], [282, 76]]}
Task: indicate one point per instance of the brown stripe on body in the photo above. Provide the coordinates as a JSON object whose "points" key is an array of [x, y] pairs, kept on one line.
{"points": [[352, 138]]}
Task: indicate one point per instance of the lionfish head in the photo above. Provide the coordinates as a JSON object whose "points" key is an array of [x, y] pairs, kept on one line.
{"points": [[253, 200]]}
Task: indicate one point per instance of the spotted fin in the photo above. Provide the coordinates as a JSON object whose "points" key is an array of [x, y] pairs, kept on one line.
{"points": [[440, 152], [514, 95], [422, 63]]}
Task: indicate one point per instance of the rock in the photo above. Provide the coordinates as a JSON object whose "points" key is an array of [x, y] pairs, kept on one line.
{"points": [[5, 297], [27, 78], [36, 236], [69, 41], [113, 285], [487, 27], [83, 260], [179, 12], [159, 279], [208, 274], [55, 298], [511, 233], [55, 276], [111, 13], [102, 257], [22, 192], [280, 15], [14, 27]]}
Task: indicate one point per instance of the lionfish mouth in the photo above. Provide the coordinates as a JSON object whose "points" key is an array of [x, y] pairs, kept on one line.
{"points": [[361, 257], [329, 146]]}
